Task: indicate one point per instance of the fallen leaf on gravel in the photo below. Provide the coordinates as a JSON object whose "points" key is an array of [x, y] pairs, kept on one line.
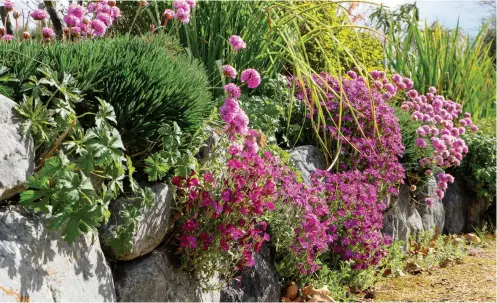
{"points": [[472, 238], [292, 291], [413, 268]]}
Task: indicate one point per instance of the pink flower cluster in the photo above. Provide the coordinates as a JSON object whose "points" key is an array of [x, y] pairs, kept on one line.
{"points": [[369, 164], [39, 15], [183, 10], [231, 112], [9, 5], [357, 216], [103, 14], [442, 129], [237, 43], [224, 211]]}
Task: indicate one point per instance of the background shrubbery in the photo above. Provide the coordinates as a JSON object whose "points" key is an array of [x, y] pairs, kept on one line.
{"points": [[149, 83]]}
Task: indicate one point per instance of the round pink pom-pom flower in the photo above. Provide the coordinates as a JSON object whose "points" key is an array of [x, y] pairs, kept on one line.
{"points": [[421, 143], [429, 201], [39, 15], [47, 33], [168, 14], [229, 71], [352, 74], [182, 4], [71, 20], [251, 77], [105, 18], [9, 5], [76, 10], [182, 15], [99, 28], [237, 42], [232, 90], [115, 12], [7, 37], [192, 3]]}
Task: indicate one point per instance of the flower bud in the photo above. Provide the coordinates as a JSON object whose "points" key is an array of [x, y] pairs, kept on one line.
{"points": [[111, 3], [26, 35], [16, 15]]}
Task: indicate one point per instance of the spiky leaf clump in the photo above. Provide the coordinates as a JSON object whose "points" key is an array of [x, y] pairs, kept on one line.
{"points": [[149, 83]]}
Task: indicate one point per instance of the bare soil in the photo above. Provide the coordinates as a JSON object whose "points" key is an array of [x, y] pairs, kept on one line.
{"points": [[473, 280]]}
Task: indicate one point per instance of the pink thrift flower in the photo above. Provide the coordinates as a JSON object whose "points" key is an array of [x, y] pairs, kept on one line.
{"points": [[39, 15], [192, 3], [251, 77], [76, 10], [421, 143], [105, 18], [352, 74], [9, 5], [237, 42], [47, 33], [232, 90], [99, 28], [7, 37], [71, 20], [182, 15], [168, 14], [429, 201], [182, 4], [229, 71], [115, 12]]}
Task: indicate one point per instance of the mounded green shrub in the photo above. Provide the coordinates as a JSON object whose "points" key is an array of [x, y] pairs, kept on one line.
{"points": [[149, 83]]}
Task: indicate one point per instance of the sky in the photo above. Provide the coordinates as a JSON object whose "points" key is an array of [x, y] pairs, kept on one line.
{"points": [[448, 12]]}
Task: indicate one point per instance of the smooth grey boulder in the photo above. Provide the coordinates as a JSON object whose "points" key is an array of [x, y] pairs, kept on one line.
{"points": [[255, 284], [154, 278], [455, 203], [307, 159], [38, 265], [16, 151], [401, 218], [433, 215], [153, 223]]}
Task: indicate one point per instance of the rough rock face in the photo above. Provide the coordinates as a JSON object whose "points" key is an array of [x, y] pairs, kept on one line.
{"points": [[153, 224], [154, 278], [255, 284], [402, 218], [307, 158], [38, 265], [16, 151], [430, 215], [455, 203]]}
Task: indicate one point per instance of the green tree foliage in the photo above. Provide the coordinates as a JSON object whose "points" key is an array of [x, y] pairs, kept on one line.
{"points": [[365, 48], [148, 83]]}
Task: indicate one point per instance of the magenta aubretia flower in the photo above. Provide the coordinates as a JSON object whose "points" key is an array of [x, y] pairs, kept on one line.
{"points": [[187, 241], [251, 77], [237, 42]]}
